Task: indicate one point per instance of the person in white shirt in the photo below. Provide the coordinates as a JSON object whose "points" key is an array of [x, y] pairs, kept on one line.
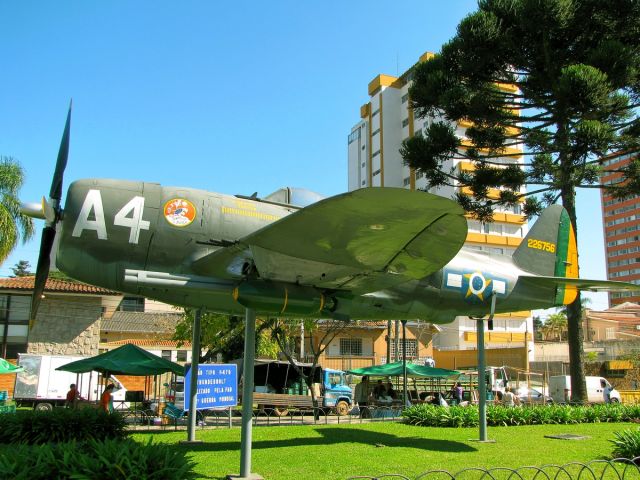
{"points": [[509, 399]]}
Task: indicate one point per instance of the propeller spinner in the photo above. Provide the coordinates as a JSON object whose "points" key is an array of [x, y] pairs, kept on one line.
{"points": [[51, 212]]}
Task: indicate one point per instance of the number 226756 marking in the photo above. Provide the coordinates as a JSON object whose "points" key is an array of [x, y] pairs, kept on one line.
{"points": [[541, 245]]}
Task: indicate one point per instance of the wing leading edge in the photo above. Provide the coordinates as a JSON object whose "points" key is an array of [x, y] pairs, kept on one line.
{"points": [[360, 241]]}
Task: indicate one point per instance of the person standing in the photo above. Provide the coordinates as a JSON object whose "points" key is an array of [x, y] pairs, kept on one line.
{"points": [[73, 395], [606, 391], [509, 399], [106, 400], [362, 392], [457, 393]]}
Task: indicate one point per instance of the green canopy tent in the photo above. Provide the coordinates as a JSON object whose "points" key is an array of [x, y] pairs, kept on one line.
{"points": [[433, 374], [125, 360], [128, 359], [6, 367], [395, 369]]}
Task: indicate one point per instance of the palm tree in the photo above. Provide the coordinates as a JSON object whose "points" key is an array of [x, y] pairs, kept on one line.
{"points": [[557, 322], [14, 225]]}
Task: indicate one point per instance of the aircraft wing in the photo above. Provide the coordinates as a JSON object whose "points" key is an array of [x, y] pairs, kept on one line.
{"points": [[579, 283], [362, 241]]}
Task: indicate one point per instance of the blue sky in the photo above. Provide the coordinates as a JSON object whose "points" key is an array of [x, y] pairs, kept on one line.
{"points": [[234, 97]]}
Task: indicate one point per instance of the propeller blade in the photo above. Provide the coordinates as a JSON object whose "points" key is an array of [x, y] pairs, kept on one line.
{"points": [[42, 270], [61, 163], [52, 212]]}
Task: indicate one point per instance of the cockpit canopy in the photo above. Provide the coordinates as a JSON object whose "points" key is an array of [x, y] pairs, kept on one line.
{"points": [[297, 197]]}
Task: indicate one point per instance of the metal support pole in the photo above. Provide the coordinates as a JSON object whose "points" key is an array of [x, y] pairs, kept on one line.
{"points": [[389, 341], [396, 341], [404, 363], [247, 392], [482, 384], [193, 383]]}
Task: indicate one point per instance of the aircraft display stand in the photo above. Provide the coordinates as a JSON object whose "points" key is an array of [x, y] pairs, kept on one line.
{"points": [[482, 384], [193, 384], [247, 399]]}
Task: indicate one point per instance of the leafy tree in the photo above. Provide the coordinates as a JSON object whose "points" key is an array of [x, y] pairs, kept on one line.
{"points": [[224, 334], [320, 333], [21, 269], [538, 327], [559, 77], [14, 226]]}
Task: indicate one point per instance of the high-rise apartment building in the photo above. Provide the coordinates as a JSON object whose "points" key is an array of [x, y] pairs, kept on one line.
{"points": [[374, 160], [621, 222]]}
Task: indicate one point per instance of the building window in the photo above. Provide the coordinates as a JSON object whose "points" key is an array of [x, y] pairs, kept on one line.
{"points": [[351, 347], [485, 228], [610, 333], [14, 317], [412, 348], [406, 181], [376, 153], [363, 164], [377, 172], [182, 356], [405, 97], [375, 113], [132, 304], [405, 122], [13, 349], [375, 132], [166, 354], [364, 182]]}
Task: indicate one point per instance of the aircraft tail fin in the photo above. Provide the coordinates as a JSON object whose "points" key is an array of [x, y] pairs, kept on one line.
{"points": [[550, 250]]}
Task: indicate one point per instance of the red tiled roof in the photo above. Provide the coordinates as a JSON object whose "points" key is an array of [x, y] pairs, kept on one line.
{"points": [[62, 286], [141, 342]]}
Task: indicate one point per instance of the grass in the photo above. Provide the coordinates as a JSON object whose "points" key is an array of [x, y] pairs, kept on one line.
{"points": [[341, 451]]}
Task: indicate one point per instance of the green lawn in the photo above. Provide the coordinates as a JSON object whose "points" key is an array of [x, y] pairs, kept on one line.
{"points": [[341, 451]]}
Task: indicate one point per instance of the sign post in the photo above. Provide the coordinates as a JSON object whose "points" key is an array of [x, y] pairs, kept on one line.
{"points": [[216, 384]]}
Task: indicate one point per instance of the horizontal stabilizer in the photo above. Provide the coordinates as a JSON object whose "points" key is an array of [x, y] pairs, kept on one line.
{"points": [[579, 283]]}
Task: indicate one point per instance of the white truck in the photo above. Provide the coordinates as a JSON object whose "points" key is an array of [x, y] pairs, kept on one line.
{"points": [[43, 387], [560, 389]]}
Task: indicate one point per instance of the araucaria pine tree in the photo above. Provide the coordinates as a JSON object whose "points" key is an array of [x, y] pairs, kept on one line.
{"points": [[558, 79]]}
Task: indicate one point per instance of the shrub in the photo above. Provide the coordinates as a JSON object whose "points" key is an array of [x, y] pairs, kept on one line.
{"points": [[626, 444], [94, 459], [60, 425], [436, 416]]}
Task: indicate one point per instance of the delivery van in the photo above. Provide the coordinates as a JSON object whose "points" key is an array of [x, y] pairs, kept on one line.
{"points": [[560, 389]]}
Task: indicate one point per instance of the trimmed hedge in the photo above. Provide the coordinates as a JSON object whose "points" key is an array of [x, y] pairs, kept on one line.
{"points": [[428, 415], [60, 425], [93, 460]]}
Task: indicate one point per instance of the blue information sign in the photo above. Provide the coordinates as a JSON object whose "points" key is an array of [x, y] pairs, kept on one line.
{"points": [[217, 386]]}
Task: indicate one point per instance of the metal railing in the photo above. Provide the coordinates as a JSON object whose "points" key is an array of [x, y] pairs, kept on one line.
{"points": [[269, 416], [616, 469]]}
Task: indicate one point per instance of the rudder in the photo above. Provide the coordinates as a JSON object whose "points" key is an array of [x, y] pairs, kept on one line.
{"points": [[550, 249]]}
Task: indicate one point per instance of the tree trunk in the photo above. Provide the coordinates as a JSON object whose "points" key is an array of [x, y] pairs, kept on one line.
{"points": [[574, 317]]}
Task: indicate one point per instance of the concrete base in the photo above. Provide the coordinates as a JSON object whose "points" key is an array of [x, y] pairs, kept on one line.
{"points": [[252, 476], [481, 441], [189, 442]]}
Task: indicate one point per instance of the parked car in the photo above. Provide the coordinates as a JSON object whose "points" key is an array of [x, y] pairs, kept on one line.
{"points": [[531, 395]]}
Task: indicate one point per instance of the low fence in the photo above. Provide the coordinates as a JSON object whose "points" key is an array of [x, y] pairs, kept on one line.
{"points": [[617, 469], [233, 418], [630, 396]]}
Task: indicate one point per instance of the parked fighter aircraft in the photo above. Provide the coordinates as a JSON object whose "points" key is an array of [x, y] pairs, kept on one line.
{"points": [[374, 253]]}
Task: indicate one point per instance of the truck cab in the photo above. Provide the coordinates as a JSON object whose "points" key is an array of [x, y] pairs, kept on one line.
{"points": [[337, 393]]}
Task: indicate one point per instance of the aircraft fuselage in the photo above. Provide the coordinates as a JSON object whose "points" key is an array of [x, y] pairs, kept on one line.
{"points": [[117, 234]]}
